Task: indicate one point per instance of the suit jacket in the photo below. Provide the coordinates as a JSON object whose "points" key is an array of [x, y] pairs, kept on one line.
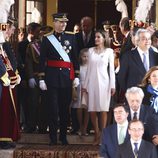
{"points": [[22, 46], [57, 76], [126, 46], [109, 143], [146, 99], [146, 150], [142, 115], [80, 41], [132, 69], [32, 59], [152, 124]]}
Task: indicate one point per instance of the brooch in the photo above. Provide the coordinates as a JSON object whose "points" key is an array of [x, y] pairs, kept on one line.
{"points": [[66, 43]]}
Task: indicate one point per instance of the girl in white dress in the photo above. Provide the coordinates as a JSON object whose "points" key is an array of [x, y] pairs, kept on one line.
{"points": [[99, 82], [79, 99], [82, 111]]}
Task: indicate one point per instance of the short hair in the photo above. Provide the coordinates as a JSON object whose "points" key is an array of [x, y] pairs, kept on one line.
{"points": [[137, 36], [122, 105], [88, 19], [134, 31], [134, 90], [135, 121], [125, 24], [32, 27]]}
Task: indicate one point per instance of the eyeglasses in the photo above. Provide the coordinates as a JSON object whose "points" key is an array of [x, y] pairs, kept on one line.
{"points": [[135, 130]]}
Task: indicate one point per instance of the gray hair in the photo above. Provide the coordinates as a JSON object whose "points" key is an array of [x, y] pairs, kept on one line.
{"points": [[137, 36], [134, 90]]}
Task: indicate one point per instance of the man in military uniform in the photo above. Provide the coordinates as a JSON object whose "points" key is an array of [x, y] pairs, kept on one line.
{"points": [[9, 119], [58, 60]]}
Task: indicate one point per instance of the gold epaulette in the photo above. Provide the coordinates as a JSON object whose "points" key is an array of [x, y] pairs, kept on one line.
{"points": [[77, 72], [47, 34], [70, 32], [41, 74], [16, 72]]}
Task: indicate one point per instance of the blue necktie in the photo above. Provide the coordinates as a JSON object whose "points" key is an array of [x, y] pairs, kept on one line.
{"points": [[145, 61], [135, 149]]}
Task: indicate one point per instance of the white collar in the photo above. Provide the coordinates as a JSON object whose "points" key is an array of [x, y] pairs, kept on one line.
{"points": [[123, 124]]}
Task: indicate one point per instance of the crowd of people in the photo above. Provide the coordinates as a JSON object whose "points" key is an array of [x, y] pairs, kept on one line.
{"points": [[72, 78]]}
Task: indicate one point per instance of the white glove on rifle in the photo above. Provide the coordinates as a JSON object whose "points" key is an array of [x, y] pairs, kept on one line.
{"points": [[76, 82], [5, 79], [32, 83], [42, 85], [18, 80]]}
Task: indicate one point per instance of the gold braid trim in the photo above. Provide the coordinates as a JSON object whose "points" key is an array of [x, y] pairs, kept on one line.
{"points": [[6, 139], [12, 98]]}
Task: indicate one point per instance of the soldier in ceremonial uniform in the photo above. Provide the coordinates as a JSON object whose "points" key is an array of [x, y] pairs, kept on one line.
{"points": [[9, 119], [58, 60]]}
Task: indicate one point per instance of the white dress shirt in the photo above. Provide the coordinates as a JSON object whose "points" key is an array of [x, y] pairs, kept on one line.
{"points": [[132, 113], [142, 57], [133, 146]]}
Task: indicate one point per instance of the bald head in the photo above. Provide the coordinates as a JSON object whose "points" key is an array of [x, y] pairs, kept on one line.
{"points": [[86, 24]]}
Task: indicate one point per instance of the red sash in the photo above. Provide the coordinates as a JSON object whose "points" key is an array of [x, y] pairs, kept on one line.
{"points": [[62, 64]]}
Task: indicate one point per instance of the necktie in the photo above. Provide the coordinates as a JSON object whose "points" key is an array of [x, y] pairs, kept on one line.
{"points": [[135, 116], [146, 66], [86, 40], [121, 135], [135, 149]]}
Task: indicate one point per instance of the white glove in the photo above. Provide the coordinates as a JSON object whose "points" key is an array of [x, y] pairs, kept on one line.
{"points": [[18, 79], [76, 82], [42, 85], [7, 82], [32, 83], [5, 79]]}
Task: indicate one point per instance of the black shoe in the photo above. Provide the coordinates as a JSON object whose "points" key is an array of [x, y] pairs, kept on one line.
{"points": [[74, 132], [64, 141], [30, 130], [7, 145], [52, 143]]}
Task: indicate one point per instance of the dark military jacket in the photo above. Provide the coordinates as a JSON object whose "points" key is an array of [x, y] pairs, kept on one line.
{"points": [[58, 76], [32, 59]]}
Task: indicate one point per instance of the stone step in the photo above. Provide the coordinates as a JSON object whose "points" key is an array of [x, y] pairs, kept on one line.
{"points": [[44, 139]]}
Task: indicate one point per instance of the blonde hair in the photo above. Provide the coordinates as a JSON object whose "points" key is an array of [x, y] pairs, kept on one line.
{"points": [[145, 80], [82, 51]]}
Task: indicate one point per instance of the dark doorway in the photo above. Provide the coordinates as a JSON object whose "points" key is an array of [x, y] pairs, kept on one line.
{"points": [[99, 10]]}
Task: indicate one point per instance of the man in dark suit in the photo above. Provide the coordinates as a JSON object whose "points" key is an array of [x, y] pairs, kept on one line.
{"points": [[115, 134], [127, 41], [57, 59], [134, 64], [86, 37], [136, 147], [137, 110], [125, 47]]}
